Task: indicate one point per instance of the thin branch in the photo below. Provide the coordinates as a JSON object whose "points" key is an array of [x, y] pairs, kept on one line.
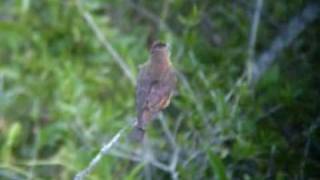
{"points": [[191, 157], [106, 44], [178, 122], [253, 36], [103, 151], [167, 131], [175, 148], [139, 158], [148, 15], [295, 27], [165, 9], [271, 163], [254, 28], [14, 171]]}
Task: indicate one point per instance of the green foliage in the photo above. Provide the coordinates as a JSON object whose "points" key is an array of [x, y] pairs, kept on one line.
{"points": [[62, 95], [135, 171], [11, 140], [217, 166]]}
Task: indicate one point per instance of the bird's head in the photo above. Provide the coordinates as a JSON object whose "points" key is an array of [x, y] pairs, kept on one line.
{"points": [[159, 49]]}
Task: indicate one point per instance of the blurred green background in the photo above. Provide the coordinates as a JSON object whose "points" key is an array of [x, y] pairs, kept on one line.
{"points": [[63, 92]]}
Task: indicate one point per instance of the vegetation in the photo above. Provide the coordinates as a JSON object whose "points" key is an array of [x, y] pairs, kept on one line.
{"points": [[67, 71]]}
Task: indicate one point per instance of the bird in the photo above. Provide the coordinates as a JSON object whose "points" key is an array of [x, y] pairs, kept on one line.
{"points": [[156, 84]]}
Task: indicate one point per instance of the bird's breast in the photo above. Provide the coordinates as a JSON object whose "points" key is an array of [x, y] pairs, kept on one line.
{"points": [[159, 68]]}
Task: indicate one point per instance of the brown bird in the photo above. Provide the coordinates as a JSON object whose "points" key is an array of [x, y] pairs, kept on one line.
{"points": [[155, 85]]}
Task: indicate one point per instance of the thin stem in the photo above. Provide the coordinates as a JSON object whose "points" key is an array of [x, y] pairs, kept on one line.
{"points": [[253, 36], [103, 151], [295, 27], [106, 44]]}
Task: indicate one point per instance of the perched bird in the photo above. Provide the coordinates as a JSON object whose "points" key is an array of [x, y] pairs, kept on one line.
{"points": [[155, 85]]}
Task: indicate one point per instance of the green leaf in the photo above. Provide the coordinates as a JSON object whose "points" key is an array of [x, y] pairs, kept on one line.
{"points": [[12, 138], [217, 166], [13, 134], [135, 172]]}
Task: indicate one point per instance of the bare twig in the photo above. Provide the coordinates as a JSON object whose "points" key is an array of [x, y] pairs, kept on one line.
{"points": [[165, 9], [140, 158], [178, 123], [191, 157], [15, 172], [253, 36], [106, 44], [148, 15], [271, 163], [167, 131], [284, 39], [104, 150], [147, 156], [175, 148]]}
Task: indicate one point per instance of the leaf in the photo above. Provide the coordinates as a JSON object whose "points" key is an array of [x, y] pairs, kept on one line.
{"points": [[13, 134], [217, 166], [135, 172]]}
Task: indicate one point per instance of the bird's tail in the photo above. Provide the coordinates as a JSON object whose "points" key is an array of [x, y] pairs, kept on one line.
{"points": [[137, 134]]}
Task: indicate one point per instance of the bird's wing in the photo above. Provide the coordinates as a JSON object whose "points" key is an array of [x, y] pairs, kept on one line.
{"points": [[172, 76], [161, 91], [142, 88]]}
